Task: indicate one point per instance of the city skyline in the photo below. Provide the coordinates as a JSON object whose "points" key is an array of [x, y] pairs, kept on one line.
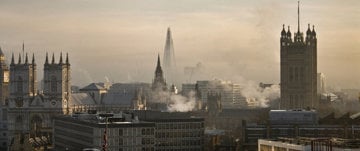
{"points": [[233, 39]]}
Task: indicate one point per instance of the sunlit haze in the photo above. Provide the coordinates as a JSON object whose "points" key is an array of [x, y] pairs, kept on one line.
{"points": [[233, 39]]}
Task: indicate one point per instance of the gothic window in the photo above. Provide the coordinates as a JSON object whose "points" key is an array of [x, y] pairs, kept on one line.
{"points": [[291, 76], [19, 85], [53, 84]]}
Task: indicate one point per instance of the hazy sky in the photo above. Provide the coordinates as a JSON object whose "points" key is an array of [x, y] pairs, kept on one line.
{"points": [[120, 39]]}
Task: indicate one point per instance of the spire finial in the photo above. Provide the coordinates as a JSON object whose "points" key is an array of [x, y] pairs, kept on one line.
{"points": [[158, 61], [67, 59], [33, 59], [26, 58], [46, 59], [19, 59], [288, 28], [12, 58], [313, 27], [23, 48], [60, 61], [53, 59], [298, 17], [284, 26]]}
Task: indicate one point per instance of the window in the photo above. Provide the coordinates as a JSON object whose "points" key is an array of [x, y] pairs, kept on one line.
{"points": [[53, 84], [20, 85]]}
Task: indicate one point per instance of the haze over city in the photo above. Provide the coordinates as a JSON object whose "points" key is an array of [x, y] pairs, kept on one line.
{"points": [[232, 39]]}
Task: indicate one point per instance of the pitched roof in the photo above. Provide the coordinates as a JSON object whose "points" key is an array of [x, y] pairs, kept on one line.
{"points": [[93, 86], [81, 98]]}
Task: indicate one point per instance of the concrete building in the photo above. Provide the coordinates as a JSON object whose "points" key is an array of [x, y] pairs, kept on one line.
{"points": [[298, 67], [345, 127], [302, 117], [308, 144], [121, 133], [175, 130]]}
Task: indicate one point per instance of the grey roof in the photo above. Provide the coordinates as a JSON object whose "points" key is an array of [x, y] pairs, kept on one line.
{"points": [[118, 98], [93, 86], [81, 98]]}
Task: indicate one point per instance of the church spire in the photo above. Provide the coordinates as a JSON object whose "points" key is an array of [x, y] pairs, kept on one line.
{"points": [[61, 60], [158, 62], [53, 59], [46, 59]]}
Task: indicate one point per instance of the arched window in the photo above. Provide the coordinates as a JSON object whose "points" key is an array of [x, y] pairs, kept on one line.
{"points": [[53, 84], [19, 86]]}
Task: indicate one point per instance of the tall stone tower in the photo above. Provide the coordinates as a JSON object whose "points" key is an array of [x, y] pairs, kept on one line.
{"points": [[4, 79], [298, 69], [169, 63], [23, 84], [57, 86]]}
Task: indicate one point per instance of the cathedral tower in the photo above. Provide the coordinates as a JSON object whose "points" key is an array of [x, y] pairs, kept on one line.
{"points": [[57, 86], [23, 84], [4, 79], [298, 69], [169, 63]]}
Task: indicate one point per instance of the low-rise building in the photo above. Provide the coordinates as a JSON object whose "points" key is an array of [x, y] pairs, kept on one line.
{"points": [[81, 131]]}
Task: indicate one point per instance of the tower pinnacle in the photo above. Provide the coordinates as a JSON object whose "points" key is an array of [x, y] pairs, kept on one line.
{"points": [[298, 17], [60, 61], [46, 59], [53, 59]]}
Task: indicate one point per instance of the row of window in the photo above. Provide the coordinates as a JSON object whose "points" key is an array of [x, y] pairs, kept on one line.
{"points": [[136, 131], [180, 125], [182, 143], [178, 134]]}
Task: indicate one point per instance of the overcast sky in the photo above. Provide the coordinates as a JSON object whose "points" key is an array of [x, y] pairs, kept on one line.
{"points": [[120, 39]]}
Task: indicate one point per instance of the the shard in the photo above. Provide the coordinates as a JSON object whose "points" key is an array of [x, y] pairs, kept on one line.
{"points": [[169, 63]]}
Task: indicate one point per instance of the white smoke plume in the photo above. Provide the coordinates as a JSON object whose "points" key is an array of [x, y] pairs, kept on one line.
{"points": [[179, 103], [261, 96]]}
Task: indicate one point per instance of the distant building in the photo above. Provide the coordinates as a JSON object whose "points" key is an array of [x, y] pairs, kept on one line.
{"points": [[81, 131], [285, 117], [230, 92], [321, 85], [169, 63], [298, 69]]}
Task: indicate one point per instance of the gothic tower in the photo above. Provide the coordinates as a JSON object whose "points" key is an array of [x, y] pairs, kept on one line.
{"points": [[57, 86], [4, 79], [23, 84], [169, 63], [298, 69], [159, 81]]}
